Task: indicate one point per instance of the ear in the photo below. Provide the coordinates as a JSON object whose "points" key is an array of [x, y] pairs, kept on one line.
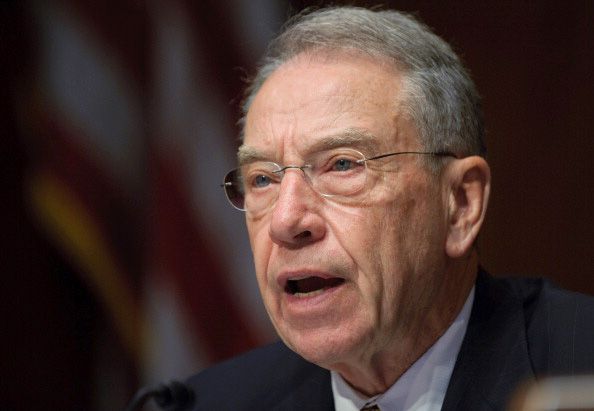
{"points": [[469, 185]]}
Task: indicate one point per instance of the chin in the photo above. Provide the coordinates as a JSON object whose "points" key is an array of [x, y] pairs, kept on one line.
{"points": [[325, 347]]}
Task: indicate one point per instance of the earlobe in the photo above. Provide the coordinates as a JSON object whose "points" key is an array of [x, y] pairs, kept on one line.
{"points": [[469, 187]]}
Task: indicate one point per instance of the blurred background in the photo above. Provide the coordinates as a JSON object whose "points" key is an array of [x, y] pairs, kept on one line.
{"points": [[122, 263]]}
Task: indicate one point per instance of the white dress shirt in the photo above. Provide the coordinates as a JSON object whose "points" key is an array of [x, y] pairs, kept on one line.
{"points": [[423, 386]]}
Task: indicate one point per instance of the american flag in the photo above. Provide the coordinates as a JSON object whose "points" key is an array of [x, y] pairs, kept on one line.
{"points": [[129, 120]]}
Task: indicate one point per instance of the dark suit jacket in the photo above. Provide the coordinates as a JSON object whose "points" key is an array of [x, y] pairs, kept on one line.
{"points": [[519, 329]]}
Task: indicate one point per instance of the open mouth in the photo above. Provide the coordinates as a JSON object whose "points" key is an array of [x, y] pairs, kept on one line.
{"points": [[311, 286]]}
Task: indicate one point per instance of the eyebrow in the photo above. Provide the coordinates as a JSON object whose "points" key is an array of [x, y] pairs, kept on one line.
{"points": [[248, 154], [356, 138]]}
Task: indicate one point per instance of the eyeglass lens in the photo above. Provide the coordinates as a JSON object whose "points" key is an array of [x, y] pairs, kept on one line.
{"points": [[255, 186]]}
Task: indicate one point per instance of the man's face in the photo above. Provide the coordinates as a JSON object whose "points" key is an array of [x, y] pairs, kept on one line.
{"points": [[375, 264]]}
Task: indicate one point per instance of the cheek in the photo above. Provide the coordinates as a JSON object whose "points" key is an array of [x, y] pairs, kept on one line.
{"points": [[398, 235], [352, 230], [261, 245], [361, 234]]}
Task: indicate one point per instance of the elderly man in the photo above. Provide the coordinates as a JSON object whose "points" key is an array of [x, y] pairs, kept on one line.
{"points": [[364, 184]]}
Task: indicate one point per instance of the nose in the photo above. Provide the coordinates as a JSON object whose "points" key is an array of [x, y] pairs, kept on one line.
{"points": [[295, 219]]}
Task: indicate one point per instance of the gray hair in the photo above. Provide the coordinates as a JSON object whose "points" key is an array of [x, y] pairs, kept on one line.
{"points": [[439, 95]]}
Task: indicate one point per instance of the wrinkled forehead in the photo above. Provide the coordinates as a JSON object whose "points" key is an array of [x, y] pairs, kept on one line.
{"points": [[315, 102]]}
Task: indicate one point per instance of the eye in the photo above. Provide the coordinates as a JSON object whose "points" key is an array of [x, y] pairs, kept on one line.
{"points": [[343, 164], [260, 175], [261, 180]]}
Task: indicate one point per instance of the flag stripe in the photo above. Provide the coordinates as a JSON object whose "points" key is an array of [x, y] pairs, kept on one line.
{"points": [[190, 260], [68, 222], [121, 27]]}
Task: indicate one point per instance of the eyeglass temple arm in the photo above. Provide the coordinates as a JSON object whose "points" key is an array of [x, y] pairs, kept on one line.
{"points": [[430, 153]]}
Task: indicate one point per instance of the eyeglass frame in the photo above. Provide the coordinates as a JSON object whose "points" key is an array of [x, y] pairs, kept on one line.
{"points": [[282, 169]]}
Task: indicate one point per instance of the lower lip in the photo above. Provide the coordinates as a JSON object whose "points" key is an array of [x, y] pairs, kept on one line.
{"points": [[317, 301]]}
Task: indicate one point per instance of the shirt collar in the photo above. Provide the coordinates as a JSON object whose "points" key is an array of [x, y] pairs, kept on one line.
{"points": [[423, 385]]}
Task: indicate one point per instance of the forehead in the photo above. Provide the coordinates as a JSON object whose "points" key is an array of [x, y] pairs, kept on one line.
{"points": [[324, 99]]}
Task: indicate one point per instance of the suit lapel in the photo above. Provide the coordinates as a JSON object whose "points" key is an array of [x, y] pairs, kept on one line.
{"points": [[493, 358]]}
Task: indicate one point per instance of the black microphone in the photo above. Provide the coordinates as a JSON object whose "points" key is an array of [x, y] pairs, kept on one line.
{"points": [[173, 396]]}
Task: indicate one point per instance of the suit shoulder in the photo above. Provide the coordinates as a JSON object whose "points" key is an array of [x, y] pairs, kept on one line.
{"points": [[559, 327], [244, 368], [540, 296], [261, 377]]}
